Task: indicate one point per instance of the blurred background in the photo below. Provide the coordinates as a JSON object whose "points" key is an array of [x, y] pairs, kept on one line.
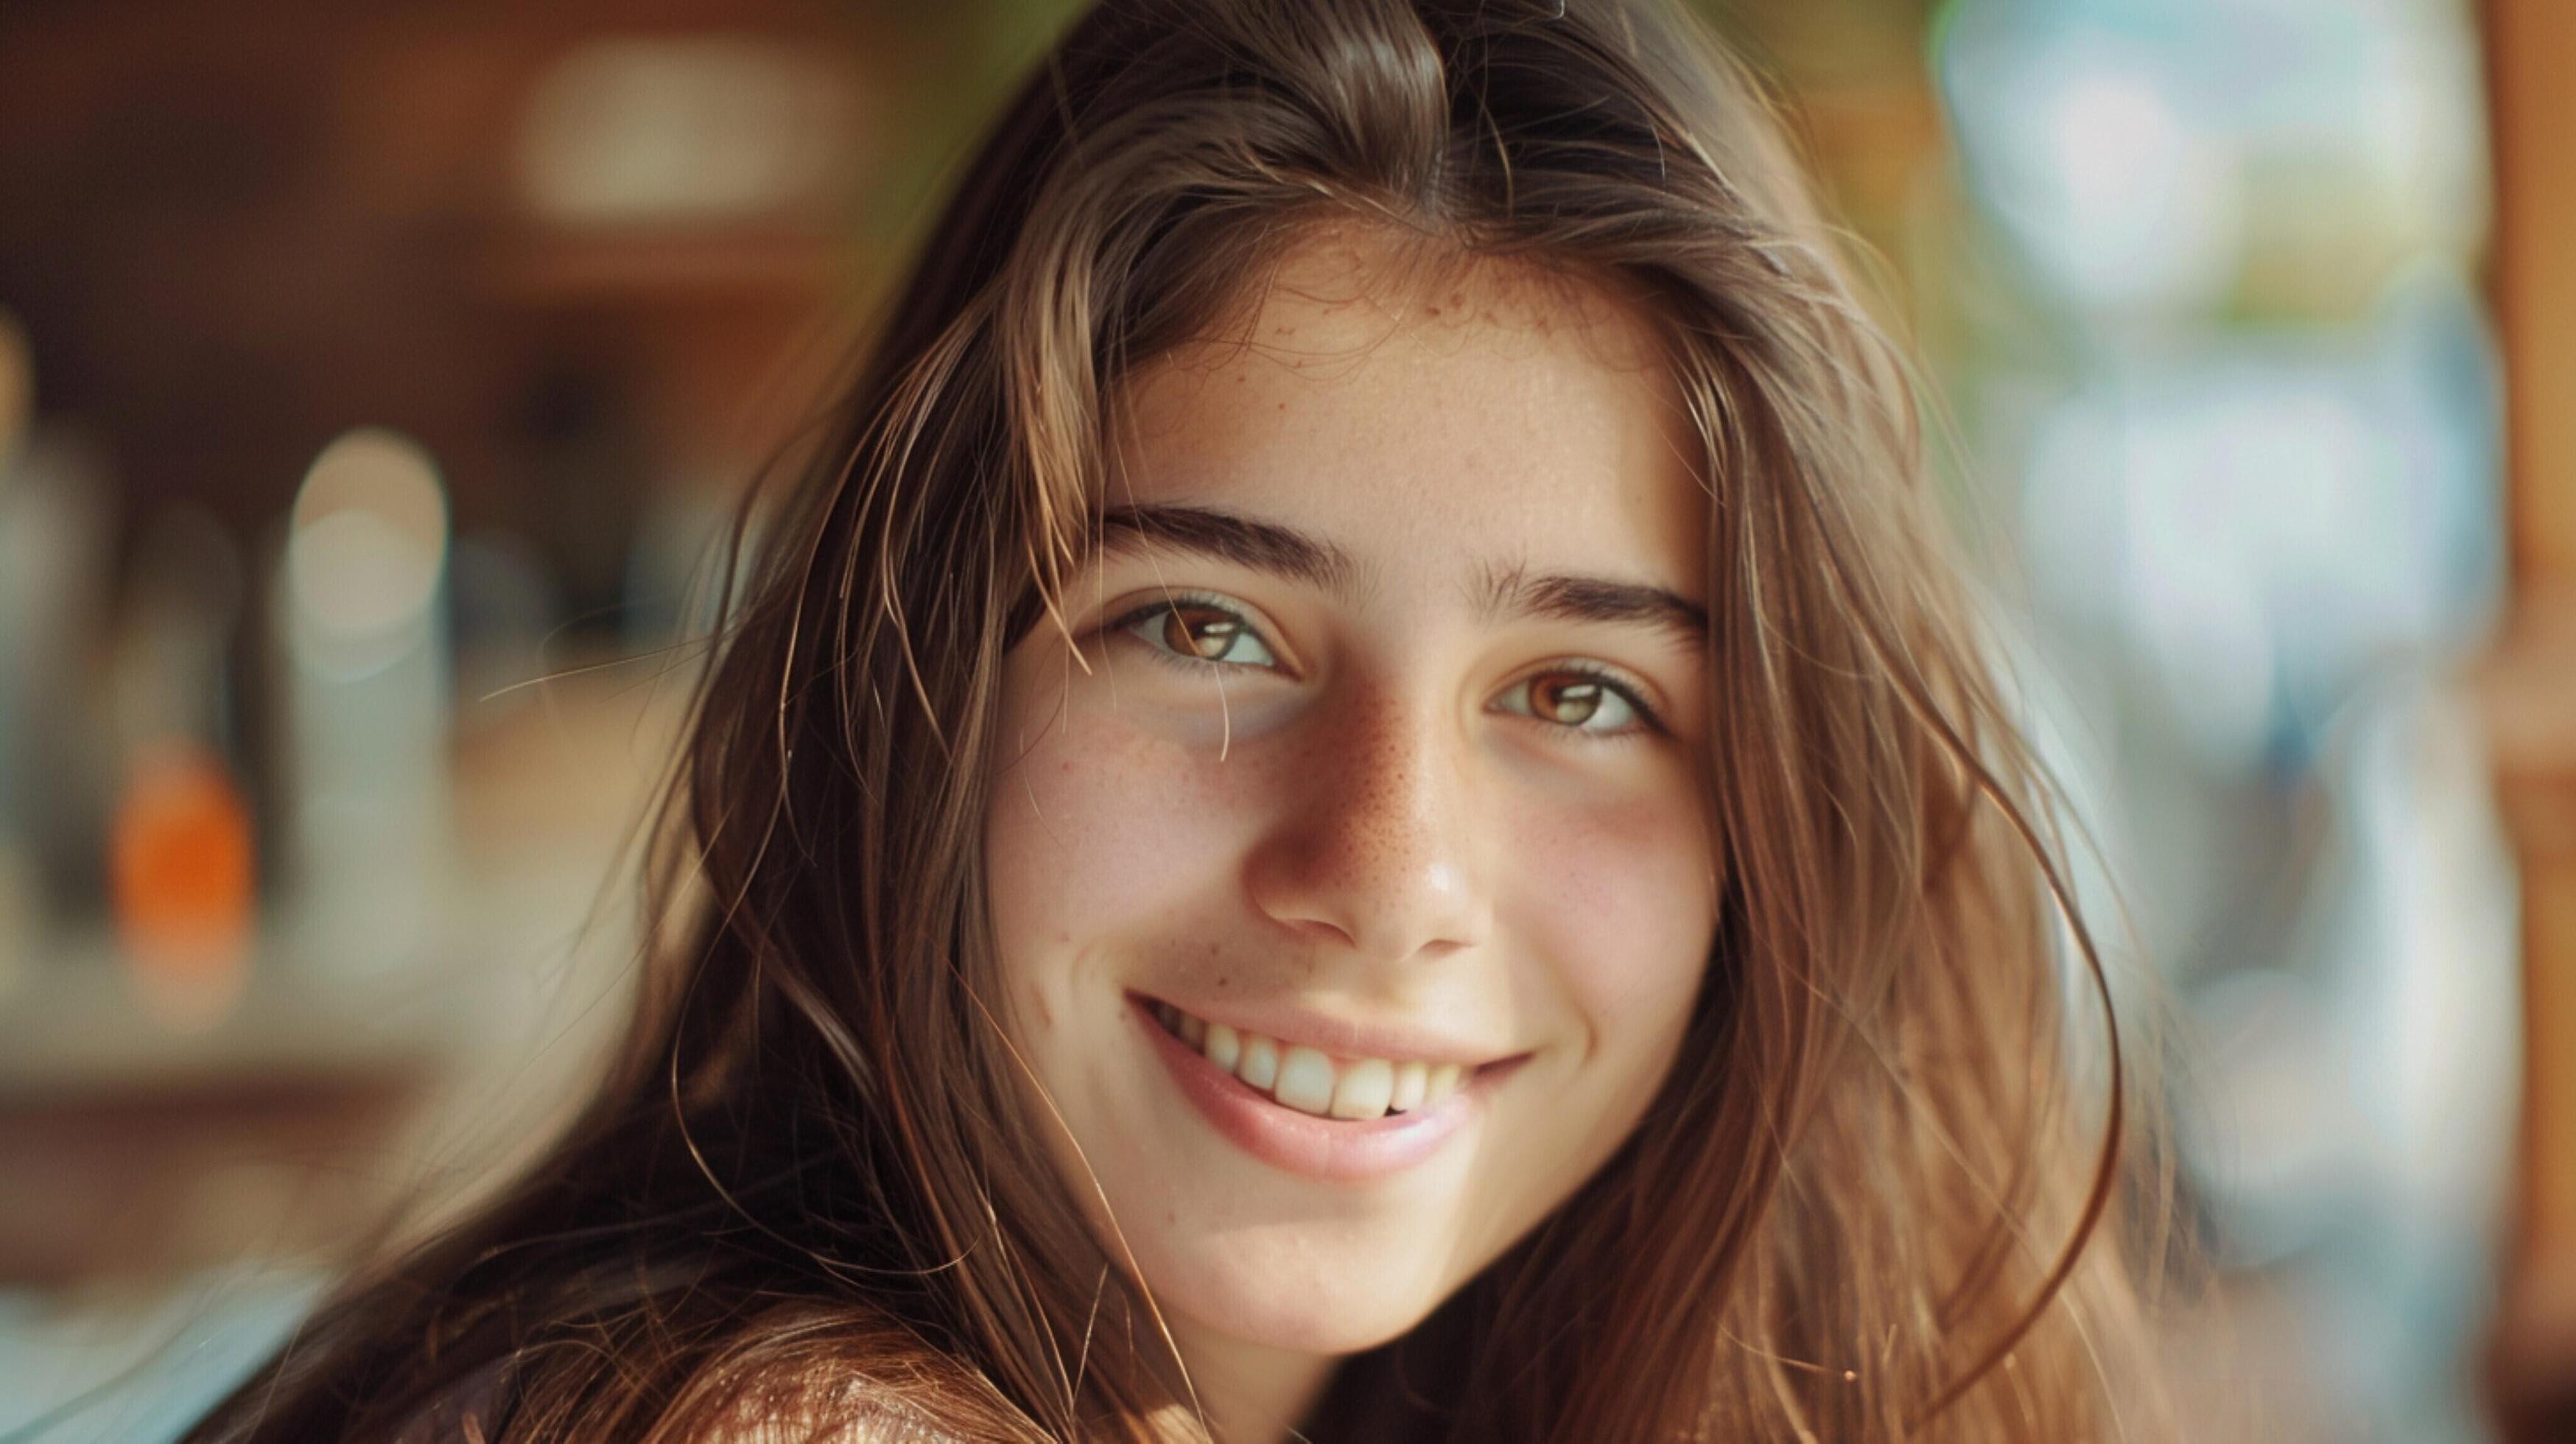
{"points": [[376, 379]]}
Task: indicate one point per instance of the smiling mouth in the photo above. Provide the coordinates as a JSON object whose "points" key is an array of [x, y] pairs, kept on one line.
{"points": [[1313, 1082]]}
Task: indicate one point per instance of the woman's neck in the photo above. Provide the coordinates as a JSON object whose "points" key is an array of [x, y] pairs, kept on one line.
{"points": [[1251, 1394]]}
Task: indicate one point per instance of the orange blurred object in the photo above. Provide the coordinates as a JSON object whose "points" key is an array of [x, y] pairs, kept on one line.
{"points": [[181, 875]]}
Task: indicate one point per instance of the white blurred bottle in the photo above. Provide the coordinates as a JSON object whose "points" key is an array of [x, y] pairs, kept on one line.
{"points": [[20, 895], [359, 611], [55, 521]]}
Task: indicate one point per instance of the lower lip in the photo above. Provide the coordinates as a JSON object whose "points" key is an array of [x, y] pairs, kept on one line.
{"points": [[1330, 1149]]}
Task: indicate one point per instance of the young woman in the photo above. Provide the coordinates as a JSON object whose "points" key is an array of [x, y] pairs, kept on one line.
{"points": [[1356, 804]]}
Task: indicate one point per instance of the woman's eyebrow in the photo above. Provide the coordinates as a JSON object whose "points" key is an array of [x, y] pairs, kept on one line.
{"points": [[1511, 591], [1284, 551], [1261, 545]]}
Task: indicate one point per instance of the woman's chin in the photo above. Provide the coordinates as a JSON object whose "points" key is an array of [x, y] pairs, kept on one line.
{"points": [[1290, 1329], [1315, 1308]]}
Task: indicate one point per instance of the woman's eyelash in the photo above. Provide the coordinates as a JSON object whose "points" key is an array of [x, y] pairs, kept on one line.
{"points": [[1649, 719], [1171, 606]]}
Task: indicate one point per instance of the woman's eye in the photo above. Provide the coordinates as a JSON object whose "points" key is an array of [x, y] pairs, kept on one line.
{"points": [[1579, 701], [1199, 632]]}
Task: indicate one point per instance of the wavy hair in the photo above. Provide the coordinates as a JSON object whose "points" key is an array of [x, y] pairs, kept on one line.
{"points": [[1872, 1201]]}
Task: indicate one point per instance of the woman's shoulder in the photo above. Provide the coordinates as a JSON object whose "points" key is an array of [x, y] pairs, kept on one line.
{"points": [[846, 1411], [832, 1408], [840, 1422], [871, 1389], [845, 1378]]}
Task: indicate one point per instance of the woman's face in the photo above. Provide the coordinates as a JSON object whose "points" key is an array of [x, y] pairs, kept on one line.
{"points": [[1354, 884]]}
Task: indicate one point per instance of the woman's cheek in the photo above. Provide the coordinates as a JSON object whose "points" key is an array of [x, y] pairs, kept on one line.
{"points": [[1614, 895], [1103, 825]]}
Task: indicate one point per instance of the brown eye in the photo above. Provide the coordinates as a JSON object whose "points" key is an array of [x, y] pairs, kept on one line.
{"points": [[1576, 701], [1200, 632], [1193, 631], [1567, 700]]}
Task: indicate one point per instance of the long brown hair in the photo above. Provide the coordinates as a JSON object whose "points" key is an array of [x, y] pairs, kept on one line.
{"points": [[1869, 1204]]}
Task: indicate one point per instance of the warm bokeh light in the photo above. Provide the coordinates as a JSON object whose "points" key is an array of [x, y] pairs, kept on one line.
{"points": [[691, 129], [370, 534], [182, 883], [17, 387], [368, 541]]}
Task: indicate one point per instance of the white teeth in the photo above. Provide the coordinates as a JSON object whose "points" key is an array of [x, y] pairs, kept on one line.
{"points": [[1308, 1080], [1224, 1046], [1409, 1080], [1305, 1081], [1364, 1089], [1260, 1065]]}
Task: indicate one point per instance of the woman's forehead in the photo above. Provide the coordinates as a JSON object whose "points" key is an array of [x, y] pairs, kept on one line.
{"points": [[1486, 413]]}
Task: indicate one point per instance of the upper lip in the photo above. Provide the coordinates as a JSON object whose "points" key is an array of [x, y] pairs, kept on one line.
{"points": [[1344, 1037]]}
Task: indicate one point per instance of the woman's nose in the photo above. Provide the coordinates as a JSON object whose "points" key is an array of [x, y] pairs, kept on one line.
{"points": [[1375, 844]]}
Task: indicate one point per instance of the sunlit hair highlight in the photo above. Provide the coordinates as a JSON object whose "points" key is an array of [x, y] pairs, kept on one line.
{"points": [[1874, 1202]]}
